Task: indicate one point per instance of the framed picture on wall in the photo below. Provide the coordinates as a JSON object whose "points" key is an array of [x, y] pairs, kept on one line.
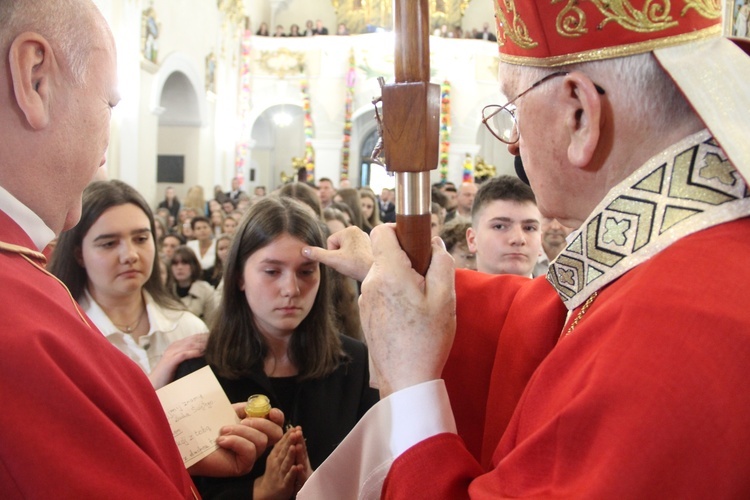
{"points": [[737, 18]]}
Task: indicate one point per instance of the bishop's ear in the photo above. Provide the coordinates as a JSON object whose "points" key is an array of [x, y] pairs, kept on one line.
{"points": [[584, 119], [32, 69]]}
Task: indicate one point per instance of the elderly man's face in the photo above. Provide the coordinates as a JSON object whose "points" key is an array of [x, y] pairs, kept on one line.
{"points": [[84, 129], [539, 143]]}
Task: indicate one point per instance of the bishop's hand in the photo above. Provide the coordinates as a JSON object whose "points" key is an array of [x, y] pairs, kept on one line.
{"points": [[409, 320]]}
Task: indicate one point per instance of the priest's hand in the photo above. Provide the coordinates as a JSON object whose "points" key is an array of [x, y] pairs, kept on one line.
{"points": [[241, 445], [348, 252], [409, 320]]}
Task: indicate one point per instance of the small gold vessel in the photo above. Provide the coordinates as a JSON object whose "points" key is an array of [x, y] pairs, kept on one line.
{"points": [[258, 405]]}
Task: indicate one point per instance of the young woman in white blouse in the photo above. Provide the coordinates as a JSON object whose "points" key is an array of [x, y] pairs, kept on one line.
{"points": [[108, 261]]}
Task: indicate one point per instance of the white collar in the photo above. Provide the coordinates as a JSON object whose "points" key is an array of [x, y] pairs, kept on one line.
{"points": [[30, 222], [159, 319]]}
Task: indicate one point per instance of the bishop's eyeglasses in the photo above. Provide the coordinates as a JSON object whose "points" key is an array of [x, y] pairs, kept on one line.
{"points": [[501, 120]]}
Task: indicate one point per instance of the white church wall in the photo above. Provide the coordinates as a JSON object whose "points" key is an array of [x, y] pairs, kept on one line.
{"points": [[192, 29], [477, 13], [299, 11]]}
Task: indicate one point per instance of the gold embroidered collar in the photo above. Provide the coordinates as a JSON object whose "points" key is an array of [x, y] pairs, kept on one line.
{"points": [[689, 187]]}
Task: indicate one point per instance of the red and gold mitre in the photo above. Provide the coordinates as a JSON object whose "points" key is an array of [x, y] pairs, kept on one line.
{"points": [[559, 32]]}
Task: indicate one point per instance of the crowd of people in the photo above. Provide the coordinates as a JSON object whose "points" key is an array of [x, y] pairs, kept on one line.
{"points": [[188, 299], [294, 30], [245, 302], [616, 376], [495, 227], [444, 31], [486, 33]]}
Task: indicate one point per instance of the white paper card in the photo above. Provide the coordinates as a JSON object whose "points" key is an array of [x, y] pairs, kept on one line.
{"points": [[196, 408]]}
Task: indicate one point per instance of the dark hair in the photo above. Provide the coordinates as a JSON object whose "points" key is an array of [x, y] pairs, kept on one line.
{"points": [[344, 209], [200, 218], [350, 196], [159, 220], [218, 270], [438, 197], [236, 347], [437, 209], [374, 218], [504, 187], [185, 254], [332, 213], [304, 193], [344, 293], [176, 236], [454, 233], [98, 197]]}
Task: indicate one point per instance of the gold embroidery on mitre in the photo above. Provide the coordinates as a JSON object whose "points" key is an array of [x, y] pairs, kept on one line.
{"points": [[710, 9], [516, 31], [653, 17], [601, 53], [571, 21]]}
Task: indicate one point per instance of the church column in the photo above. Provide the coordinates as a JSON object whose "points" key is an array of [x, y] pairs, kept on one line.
{"points": [[125, 126], [327, 159]]}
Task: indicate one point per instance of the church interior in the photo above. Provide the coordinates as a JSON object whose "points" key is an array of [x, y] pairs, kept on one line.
{"points": [[207, 99]]}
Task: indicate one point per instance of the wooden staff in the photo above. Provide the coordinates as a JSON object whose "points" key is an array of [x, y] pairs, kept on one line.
{"points": [[411, 121]]}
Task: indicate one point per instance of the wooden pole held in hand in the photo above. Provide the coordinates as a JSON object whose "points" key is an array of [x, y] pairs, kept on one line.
{"points": [[411, 121]]}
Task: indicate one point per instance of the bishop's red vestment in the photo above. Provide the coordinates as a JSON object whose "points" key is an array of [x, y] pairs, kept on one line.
{"points": [[641, 393]]}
